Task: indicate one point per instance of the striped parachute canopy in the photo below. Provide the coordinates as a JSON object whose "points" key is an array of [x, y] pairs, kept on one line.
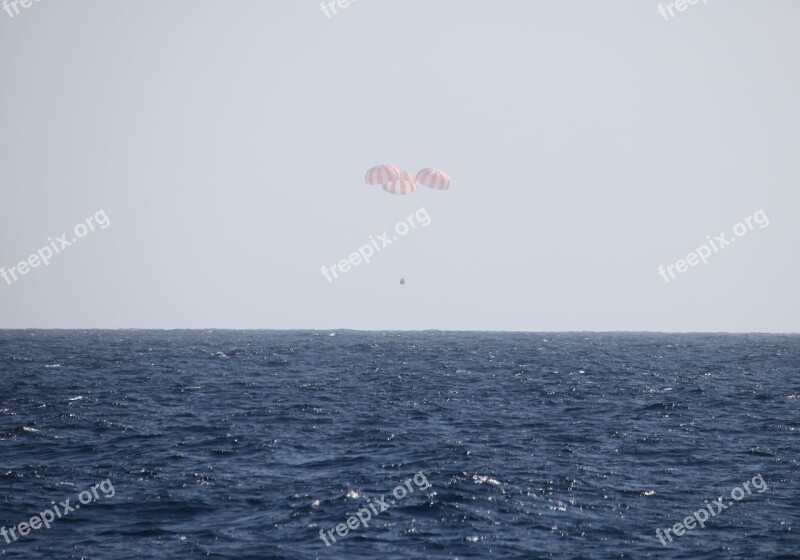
{"points": [[434, 179], [382, 174], [404, 185]]}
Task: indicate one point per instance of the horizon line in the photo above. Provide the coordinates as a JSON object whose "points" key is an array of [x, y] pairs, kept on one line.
{"points": [[329, 330]]}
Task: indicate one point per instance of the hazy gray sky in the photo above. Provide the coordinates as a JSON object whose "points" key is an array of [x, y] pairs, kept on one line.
{"points": [[588, 143]]}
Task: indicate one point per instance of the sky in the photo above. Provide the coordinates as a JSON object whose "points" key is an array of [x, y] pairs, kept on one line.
{"points": [[220, 149]]}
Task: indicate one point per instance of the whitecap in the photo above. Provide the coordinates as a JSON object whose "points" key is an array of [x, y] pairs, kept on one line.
{"points": [[481, 479]]}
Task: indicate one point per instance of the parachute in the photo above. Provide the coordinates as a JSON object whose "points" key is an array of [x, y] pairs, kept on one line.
{"points": [[382, 174], [405, 184], [434, 179], [395, 182]]}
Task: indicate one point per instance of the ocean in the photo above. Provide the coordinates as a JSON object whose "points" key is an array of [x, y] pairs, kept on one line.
{"points": [[344, 444]]}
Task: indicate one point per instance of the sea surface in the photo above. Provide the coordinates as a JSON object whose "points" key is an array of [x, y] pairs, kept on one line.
{"points": [[247, 444]]}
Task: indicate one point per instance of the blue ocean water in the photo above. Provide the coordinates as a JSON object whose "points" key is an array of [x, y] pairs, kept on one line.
{"points": [[245, 445]]}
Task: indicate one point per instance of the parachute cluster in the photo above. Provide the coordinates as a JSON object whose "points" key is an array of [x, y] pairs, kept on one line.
{"points": [[395, 182]]}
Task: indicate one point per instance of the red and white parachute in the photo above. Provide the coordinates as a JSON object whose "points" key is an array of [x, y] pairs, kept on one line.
{"points": [[395, 182], [434, 179], [382, 174], [405, 184]]}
